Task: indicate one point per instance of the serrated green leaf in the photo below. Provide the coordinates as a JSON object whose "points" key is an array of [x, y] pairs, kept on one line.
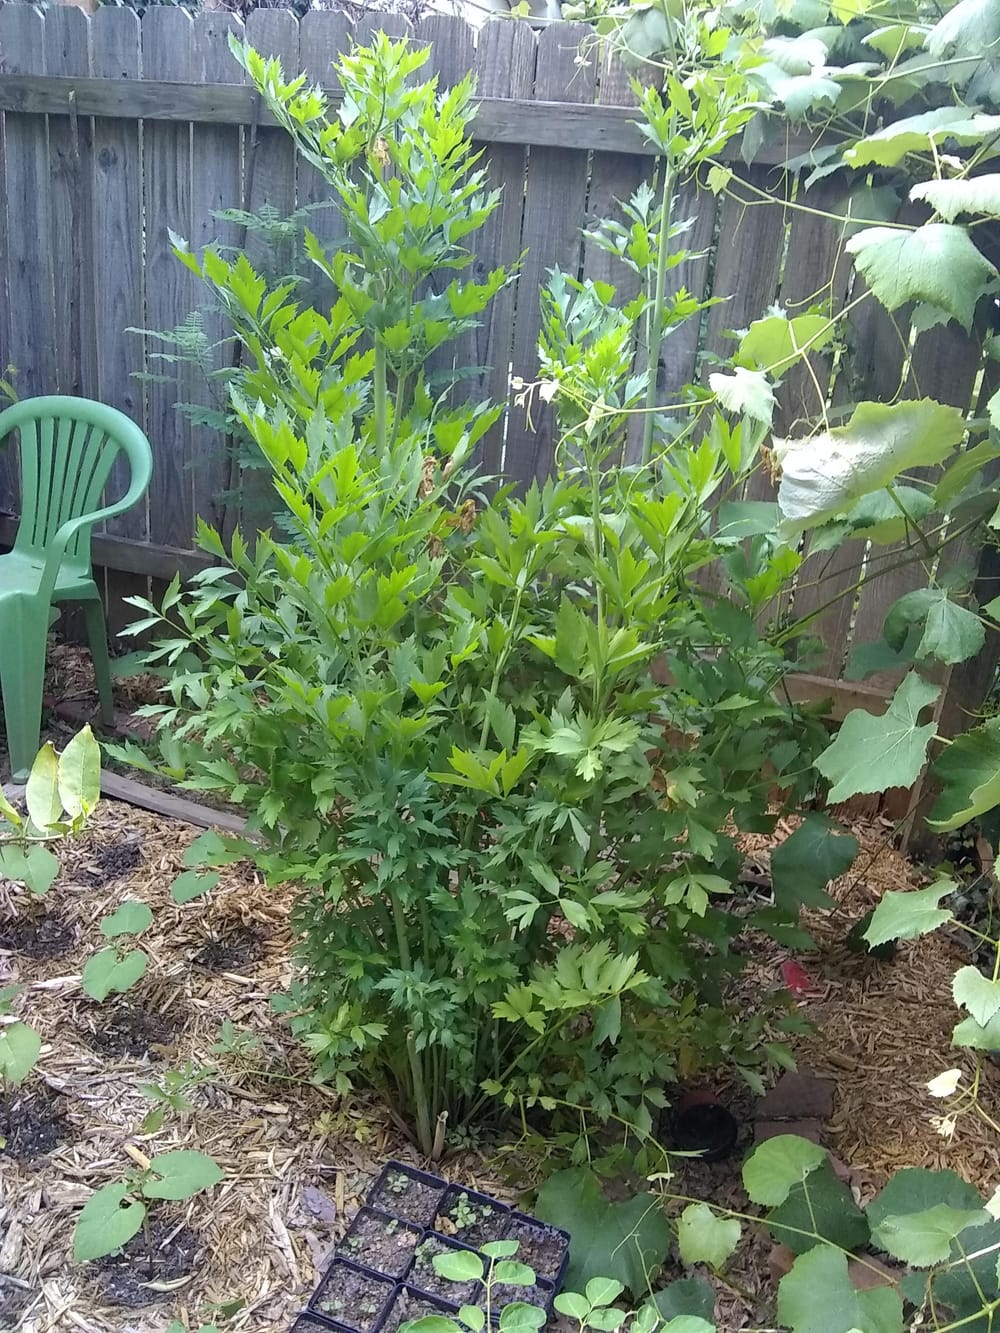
{"points": [[106, 1223], [906, 916], [914, 1191], [972, 1035], [916, 134], [951, 633], [821, 1206], [937, 263], [969, 773], [827, 474], [804, 864], [744, 393], [181, 1174], [19, 1048], [703, 1238], [967, 29], [690, 1297], [777, 1165], [951, 198], [977, 993], [817, 1296], [871, 754], [624, 1241]]}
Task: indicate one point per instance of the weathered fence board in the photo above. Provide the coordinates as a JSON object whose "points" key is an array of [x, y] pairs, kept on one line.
{"points": [[116, 131]]}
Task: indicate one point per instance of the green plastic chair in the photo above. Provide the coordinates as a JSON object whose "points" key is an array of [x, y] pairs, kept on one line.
{"points": [[67, 449]]}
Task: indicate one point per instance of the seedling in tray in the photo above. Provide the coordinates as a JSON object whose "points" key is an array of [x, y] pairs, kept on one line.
{"points": [[383, 1243], [503, 1286], [351, 1296], [431, 1278], [407, 1193], [410, 1305], [471, 1218], [541, 1247]]}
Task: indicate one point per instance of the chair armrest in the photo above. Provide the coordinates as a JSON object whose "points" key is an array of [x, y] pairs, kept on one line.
{"points": [[57, 546]]}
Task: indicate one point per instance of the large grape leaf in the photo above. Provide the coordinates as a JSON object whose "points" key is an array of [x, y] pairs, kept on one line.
{"points": [[916, 134], [776, 342], [817, 1296], [977, 993], [919, 1213], [821, 1206], [966, 30], [704, 1238], [971, 1277], [744, 392], [775, 1167], [952, 633], [828, 473], [627, 1241], [951, 198], [906, 916], [937, 263], [871, 754], [969, 773], [804, 864]]}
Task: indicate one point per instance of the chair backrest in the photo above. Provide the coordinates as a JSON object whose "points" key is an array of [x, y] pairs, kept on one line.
{"points": [[68, 447]]}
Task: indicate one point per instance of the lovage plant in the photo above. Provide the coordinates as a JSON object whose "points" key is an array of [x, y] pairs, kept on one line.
{"points": [[505, 745]]}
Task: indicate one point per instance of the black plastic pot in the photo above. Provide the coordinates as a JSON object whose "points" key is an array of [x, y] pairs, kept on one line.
{"points": [[388, 1200], [416, 1303], [477, 1233], [701, 1124], [522, 1227], [354, 1320], [358, 1245]]}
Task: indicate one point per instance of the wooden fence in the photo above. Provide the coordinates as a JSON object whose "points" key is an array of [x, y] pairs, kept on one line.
{"points": [[117, 131]]}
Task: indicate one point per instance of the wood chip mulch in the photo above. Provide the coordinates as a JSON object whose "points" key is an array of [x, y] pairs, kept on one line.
{"points": [[298, 1159]]}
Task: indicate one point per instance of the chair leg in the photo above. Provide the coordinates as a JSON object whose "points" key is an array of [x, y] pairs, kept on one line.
{"points": [[97, 637], [22, 679]]}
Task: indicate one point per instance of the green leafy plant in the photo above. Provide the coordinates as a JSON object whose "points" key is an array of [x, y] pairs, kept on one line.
{"points": [[61, 794], [447, 712], [20, 1046], [117, 1212], [118, 967], [171, 1094]]}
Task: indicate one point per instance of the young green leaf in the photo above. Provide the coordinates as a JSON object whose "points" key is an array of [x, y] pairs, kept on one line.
{"points": [[19, 1048], [969, 773], [703, 1238], [602, 1290], [923, 1239], [109, 1220], [459, 1265], [803, 865], [79, 776], [523, 1318], [36, 867], [778, 1164], [500, 1249], [191, 884], [108, 971], [41, 795], [976, 993], [130, 918], [178, 1175], [512, 1274]]}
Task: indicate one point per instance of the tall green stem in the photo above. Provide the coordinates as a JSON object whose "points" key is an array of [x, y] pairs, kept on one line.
{"points": [[656, 341], [425, 1136], [381, 413]]}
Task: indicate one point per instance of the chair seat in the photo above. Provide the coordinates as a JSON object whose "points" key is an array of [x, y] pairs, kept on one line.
{"points": [[21, 572]]}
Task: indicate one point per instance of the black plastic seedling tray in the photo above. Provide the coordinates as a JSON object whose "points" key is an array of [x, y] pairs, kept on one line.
{"points": [[381, 1254]]}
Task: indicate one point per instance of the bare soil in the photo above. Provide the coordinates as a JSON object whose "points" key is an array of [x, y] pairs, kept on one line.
{"points": [[44, 936], [36, 1124], [128, 1030], [235, 946], [133, 1275], [408, 1305], [113, 863]]}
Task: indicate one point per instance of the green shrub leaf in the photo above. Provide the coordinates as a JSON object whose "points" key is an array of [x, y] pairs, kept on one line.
{"points": [[35, 867], [969, 773], [79, 775], [804, 864]]}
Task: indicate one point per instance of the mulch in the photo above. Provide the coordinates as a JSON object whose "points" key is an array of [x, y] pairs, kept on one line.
{"points": [[298, 1159]]}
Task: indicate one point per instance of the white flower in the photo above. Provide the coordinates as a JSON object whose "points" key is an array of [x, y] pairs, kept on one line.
{"points": [[945, 1084], [944, 1124]]}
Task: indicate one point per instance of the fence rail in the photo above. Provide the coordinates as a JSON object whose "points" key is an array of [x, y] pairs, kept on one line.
{"points": [[116, 131]]}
